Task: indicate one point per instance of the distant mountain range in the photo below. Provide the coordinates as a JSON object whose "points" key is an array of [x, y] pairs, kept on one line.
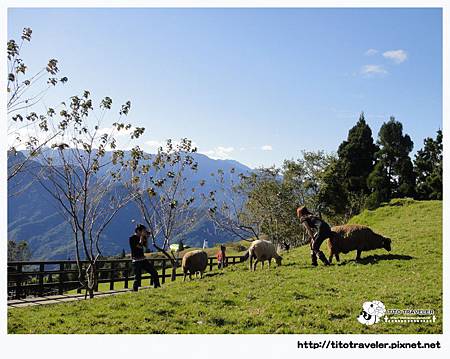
{"points": [[33, 215]]}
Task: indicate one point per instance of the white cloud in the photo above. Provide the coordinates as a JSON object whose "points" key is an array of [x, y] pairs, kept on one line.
{"points": [[219, 153], [54, 137], [18, 138], [398, 56], [225, 149], [153, 144], [373, 70], [371, 52], [266, 148]]}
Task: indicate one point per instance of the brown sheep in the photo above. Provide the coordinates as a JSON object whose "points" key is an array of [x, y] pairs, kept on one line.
{"points": [[350, 237], [193, 262], [263, 251]]}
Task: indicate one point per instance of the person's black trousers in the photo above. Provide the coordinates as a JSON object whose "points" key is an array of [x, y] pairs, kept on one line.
{"points": [[322, 233], [148, 266]]}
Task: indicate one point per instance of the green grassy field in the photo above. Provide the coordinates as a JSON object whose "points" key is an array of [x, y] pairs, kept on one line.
{"points": [[293, 298], [233, 249]]}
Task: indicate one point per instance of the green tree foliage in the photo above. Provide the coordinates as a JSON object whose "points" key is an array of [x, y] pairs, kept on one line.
{"points": [[304, 176], [272, 203], [428, 168], [357, 157], [393, 176], [344, 187], [273, 195], [18, 251], [379, 182], [333, 194]]}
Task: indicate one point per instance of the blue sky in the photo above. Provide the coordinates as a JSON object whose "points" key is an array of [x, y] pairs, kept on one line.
{"points": [[254, 85]]}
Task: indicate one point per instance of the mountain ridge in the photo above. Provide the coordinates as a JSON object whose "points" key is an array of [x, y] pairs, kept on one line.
{"points": [[33, 216]]}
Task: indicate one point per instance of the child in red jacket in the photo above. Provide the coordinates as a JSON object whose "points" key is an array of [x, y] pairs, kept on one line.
{"points": [[221, 258]]}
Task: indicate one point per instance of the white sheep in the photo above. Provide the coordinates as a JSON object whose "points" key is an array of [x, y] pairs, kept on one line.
{"points": [[193, 262], [262, 250]]}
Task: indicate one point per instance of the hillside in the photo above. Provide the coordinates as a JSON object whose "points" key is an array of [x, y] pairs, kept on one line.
{"points": [[33, 215], [293, 298]]}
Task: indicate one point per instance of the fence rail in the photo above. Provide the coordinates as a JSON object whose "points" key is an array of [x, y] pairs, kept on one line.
{"points": [[39, 278]]}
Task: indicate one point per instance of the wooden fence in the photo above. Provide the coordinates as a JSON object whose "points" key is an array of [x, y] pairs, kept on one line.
{"points": [[40, 278]]}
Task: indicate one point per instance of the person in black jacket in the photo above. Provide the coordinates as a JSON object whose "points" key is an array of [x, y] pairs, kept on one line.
{"points": [[323, 231], [138, 242]]}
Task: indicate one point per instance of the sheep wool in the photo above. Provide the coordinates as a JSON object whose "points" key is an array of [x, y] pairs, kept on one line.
{"points": [[193, 262], [350, 237], [262, 250]]}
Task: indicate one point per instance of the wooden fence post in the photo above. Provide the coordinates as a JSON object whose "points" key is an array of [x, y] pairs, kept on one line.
{"points": [[172, 270], [19, 282], [41, 279], [127, 265], [163, 280], [96, 277], [82, 277], [61, 279], [111, 276], [151, 278], [210, 263]]}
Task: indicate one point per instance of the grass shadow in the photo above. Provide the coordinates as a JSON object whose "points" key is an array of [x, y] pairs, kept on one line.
{"points": [[290, 264], [375, 258]]}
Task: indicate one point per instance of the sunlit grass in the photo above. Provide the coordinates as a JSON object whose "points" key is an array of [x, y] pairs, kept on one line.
{"points": [[293, 298]]}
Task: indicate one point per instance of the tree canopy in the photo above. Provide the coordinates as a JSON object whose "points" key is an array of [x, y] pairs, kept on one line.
{"points": [[428, 168]]}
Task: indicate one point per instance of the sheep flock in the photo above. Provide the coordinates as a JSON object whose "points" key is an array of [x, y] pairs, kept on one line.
{"points": [[345, 238]]}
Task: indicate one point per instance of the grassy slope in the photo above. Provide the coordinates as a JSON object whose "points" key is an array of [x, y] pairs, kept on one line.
{"points": [[294, 298]]}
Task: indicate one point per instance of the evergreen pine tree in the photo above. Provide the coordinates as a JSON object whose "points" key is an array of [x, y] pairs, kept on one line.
{"points": [[378, 181], [428, 169], [394, 168], [357, 157]]}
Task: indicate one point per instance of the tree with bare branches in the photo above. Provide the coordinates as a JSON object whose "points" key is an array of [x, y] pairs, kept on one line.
{"points": [[78, 172], [228, 205], [27, 130], [159, 185]]}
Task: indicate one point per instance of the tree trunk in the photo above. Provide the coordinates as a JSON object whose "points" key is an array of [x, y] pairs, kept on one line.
{"points": [[91, 279], [174, 269]]}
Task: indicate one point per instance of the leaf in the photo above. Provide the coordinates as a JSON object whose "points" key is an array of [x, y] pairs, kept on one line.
{"points": [[26, 34], [151, 192], [12, 49], [106, 103], [52, 66]]}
